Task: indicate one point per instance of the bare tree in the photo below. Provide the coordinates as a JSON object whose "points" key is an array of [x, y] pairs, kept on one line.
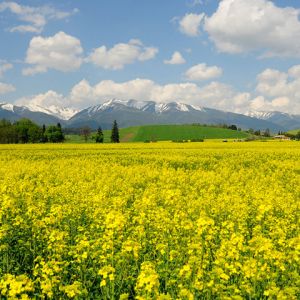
{"points": [[85, 132]]}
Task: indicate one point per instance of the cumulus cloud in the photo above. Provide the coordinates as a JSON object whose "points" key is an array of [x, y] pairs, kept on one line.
{"points": [[176, 59], [35, 18], [6, 88], [203, 72], [4, 67], [60, 52], [241, 26], [275, 91], [215, 94], [278, 90], [190, 24], [50, 98], [121, 54]]}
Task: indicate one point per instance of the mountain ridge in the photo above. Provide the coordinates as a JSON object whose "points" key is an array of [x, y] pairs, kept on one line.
{"points": [[133, 112]]}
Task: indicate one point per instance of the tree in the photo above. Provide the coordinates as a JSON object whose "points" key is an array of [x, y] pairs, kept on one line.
{"points": [[257, 132], [232, 127], [115, 133], [85, 132], [44, 136], [8, 133], [27, 131], [54, 134], [99, 136], [267, 133]]}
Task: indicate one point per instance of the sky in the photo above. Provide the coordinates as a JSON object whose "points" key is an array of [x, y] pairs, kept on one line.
{"points": [[234, 55]]}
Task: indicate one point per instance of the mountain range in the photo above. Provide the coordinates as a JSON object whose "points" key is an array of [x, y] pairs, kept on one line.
{"points": [[133, 113]]}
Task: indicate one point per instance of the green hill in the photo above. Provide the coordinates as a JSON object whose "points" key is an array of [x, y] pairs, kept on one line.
{"points": [[294, 132], [166, 133], [175, 132]]}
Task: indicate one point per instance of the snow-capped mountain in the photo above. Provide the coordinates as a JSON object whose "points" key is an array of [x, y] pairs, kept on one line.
{"points": [[150, 106], [263, 115], [7, 106], [63, 113], [13, 113], [285, 120], [133, 112]]}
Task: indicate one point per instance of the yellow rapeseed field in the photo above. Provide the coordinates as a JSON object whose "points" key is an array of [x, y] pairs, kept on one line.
{"points": [[150, 221]]}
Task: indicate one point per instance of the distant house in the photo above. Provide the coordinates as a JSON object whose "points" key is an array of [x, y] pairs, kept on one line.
{"points": [[281, 137]]}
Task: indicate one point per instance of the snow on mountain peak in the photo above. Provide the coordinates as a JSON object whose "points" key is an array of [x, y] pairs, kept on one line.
{"points": [[196, 107], [263, 115], [59, 112], [64, 113], [182, 107], [144, 106], [7, 106], [161, 107]]}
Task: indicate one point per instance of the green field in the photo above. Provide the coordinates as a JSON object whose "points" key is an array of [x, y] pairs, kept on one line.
{"points": [[166, 133], [295, 131], [184, 132]]}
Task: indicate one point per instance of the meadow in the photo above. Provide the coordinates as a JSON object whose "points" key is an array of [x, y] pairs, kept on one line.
{"points": [[167, 133], [150, 221]]}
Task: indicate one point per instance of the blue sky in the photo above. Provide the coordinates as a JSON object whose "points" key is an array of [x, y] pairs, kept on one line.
{"points": [[235, 55]]}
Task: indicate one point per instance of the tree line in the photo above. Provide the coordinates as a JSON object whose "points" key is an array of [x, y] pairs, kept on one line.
{"points": [[25, 131], [86, 132]]}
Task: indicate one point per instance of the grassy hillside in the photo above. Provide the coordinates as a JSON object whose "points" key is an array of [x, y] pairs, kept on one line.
{"points": [[295, 131], [184, 132], [166, 133], [126, 135]]}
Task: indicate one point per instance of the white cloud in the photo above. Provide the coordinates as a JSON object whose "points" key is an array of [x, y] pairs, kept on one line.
{"points": [[275, 90], [4, 67], [215, 94], [35, 18], [50, 102], [60, 52], [176, 59], [294, 72], [121, 54], [81, 93], [190, 24], [44, 100], [6, 88], [240, 26], [278, 90], [203, 72]]}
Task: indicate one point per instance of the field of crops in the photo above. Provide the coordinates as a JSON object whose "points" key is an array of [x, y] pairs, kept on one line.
{"points": [[150, 221]]}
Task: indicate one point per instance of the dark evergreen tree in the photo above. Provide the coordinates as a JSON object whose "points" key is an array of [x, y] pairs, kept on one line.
{"points": [[232, 127], [257, 132], [61, 136], [44, 136], [267, 133], [115, 133], [99, 136]]}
